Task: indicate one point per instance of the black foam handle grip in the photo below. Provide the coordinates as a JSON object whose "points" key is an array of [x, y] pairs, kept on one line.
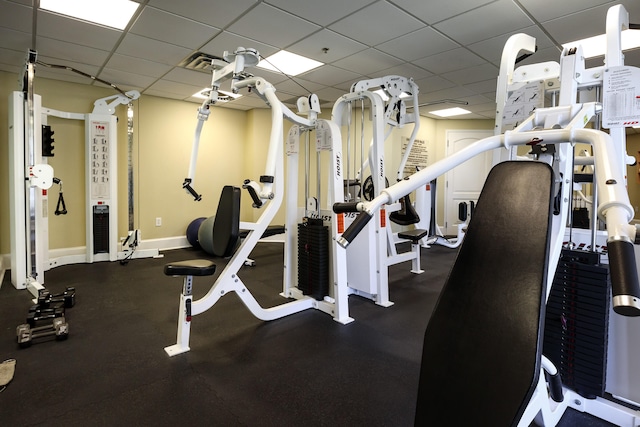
{"points": [[624, 278], [356, 227], [345, 207], [555, 386], [254, 196], [187, 186]]}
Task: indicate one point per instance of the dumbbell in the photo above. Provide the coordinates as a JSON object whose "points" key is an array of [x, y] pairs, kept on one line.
{"points": [[58, 328], [68, 297], [44, 314]]}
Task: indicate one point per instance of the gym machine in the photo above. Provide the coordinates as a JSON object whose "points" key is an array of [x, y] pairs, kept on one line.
{"points": [[29, 212], [266, 195], [554, 130]]}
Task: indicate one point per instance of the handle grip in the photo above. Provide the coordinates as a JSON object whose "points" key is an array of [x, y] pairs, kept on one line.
{"points": [[257, 203], [187, 186], [354, 229], [624, 278], [345, 207]]}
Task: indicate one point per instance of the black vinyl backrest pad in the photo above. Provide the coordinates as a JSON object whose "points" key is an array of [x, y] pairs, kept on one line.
{"points": [[482, 346], [226, 225]]}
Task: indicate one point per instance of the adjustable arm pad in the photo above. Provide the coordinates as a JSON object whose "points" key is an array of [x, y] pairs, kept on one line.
{"points": [[187, 186]]}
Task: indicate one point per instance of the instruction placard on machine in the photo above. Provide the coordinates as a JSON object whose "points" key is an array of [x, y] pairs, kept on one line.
{"points": [[621, 97], [522, 101]]}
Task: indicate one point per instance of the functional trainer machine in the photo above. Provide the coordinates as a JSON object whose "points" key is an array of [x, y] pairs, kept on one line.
{"points": [[499, 323]]}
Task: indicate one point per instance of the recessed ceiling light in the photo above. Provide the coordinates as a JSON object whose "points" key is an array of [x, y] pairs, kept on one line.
{"points": [[448, 112], [597, 45], [111, 13], [288, 63], [223, 95]]}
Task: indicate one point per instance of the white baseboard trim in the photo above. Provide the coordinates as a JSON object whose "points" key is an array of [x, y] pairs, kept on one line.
{"points": [[77, 255]]}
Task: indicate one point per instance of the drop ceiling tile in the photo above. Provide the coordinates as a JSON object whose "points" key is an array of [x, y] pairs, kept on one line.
{"points": [[455, 92], [483, 87], [141, 66], [265, 23], [450, 60], [179, 89], [9, 68], [15, 16], [491, 49], [153, 23], [218, 14], [438, 10], [405, 70], [338, 46], [182, 75], [227, 41], [330, 75], [418, 44], [473, 74], [329, 94], [570, 28], [485, 22], [13, 58], [377, 24], [368, 61], [66, 75], [74, 31], [433, 83], [15, 40], [63, 51], [122, 78], [544, 10], [152, 50], [297, 87], [163, 94], [322, 12]]}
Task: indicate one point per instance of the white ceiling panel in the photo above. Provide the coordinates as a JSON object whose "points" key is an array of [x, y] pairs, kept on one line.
{"points": [[450, 60], [266, 23], [545, 10], [456, 92], [182, 75], [218, 14], [473, 74], [433, 84], [152, 50], [13, 59], [123, 78], [368, 61], [377, 23], [486, 86], [176, 88], [418, 44], [322, 12], [485, 22], [298, 87], [438, 10], [63, 51], [78, 32], [15, 40], [142, 66], [491, 49], [338, 46], [167, 27], [16, 17], [330, 75]]}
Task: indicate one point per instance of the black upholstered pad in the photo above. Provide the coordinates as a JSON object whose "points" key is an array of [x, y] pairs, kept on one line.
{"points": [[482, 345], [414, 235], [226, 225], [194, 267]]}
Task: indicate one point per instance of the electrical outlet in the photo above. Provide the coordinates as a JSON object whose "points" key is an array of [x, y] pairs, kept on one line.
{"points": [[158, 221]]}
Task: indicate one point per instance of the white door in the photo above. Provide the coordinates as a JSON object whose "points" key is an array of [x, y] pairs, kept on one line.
{"points": [[464, 183]]}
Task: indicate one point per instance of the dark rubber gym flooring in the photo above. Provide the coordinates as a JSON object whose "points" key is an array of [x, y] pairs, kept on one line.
{"points": [[304, 369]]}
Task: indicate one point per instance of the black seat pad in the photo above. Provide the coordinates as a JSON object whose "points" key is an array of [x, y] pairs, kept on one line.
{"points": [[482, 346]]}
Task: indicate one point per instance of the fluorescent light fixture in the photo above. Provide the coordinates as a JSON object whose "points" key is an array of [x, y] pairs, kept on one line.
{"points": [[110, 13], [597, 45], [223, 95], [448, 112], [385, 97], [288, 63]]}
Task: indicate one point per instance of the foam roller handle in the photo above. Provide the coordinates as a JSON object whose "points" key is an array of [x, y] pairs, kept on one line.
{"points": [[624, 278], [345, 207], [187, 186], [354, 229]]}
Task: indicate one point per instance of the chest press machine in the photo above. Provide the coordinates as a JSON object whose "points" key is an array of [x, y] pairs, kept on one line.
{"points": [[483, 344]]}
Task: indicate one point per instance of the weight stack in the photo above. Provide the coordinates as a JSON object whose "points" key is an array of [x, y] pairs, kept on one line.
{"points": [[576, 322], [313, 258]]}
